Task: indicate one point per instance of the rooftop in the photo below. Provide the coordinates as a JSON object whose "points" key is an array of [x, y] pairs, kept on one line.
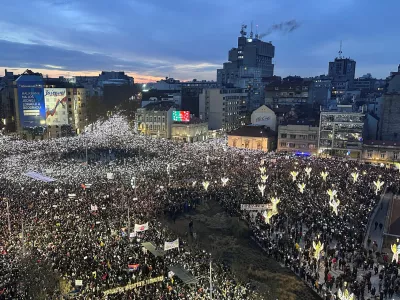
{"points": [[253, 131], [193, 120], [382, 143], [160, 106], [300, 122]]}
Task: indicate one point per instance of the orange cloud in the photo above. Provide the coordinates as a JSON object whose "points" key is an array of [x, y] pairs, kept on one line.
{"points": [[54, 73]]}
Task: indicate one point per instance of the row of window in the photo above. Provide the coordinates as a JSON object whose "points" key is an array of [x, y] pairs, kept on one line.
{"points": [[299, 136], [382, 154], [298, 146], [151, 119]]}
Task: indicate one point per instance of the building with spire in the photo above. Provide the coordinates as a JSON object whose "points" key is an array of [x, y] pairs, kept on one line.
{"points": [[342, 72], [247, 65]]}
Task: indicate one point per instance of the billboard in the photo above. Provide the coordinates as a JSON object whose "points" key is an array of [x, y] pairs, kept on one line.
{"points": [[181, 116], [56, 106], [32, 111]]}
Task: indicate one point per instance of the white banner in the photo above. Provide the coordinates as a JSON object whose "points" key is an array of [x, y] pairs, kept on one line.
{"points": [[56, 103], [171, 245], [142, 227], [93, 207]]}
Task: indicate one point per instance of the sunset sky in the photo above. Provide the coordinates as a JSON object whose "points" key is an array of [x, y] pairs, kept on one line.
{"points": [[190, 39]]}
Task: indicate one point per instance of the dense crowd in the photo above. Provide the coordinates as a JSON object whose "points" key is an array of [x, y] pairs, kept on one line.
{"points": [[77, 227]]}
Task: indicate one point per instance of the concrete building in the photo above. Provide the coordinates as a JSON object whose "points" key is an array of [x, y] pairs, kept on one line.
{"points": [[222, 108], [7, 102], [389, 125], [252, 137], [153, 96], [247, 64], [264, 116], [342, 72], [167, 84], [155, 119], [298, 137], [190, 92], [381, 152], [341, 131], [193, 131], [289, 93]]}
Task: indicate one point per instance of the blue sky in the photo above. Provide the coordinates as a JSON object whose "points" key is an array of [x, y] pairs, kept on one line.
{"points": [[190, 39]]}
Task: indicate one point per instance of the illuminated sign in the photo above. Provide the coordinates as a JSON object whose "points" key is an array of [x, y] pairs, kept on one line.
{"points": [[56, 106], [31, 103], [181, 116]]}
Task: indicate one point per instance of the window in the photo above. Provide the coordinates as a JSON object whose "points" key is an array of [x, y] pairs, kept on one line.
{"points": [[69, 99], [284, 135], [302, 137], [291, 145], [259, 146], [383, 154], [369, 154], [246, 144], [292, 136], [283, 144], [302, 146], [234, 143], [395, 155], [312, 137]]}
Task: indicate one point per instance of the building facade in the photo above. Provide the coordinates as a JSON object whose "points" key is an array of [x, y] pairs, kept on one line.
{"points": [[252, 137], [222, 108], [341, 132], [194, 131], [381, 152], [289, 93], [155, 119], [298, 138], [190, 92], [247, 64], [389, 125], [264, 116]]}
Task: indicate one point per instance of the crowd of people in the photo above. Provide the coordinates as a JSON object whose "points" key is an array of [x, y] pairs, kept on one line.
{"points": [[79, 228]]}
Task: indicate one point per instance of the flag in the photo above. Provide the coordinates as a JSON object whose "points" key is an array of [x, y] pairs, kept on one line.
{"points": [[83, 186], [142, 227], [171, 245], [133, 267]]}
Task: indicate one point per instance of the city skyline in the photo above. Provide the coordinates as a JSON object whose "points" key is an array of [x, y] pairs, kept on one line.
{"points": [[191, 40]]}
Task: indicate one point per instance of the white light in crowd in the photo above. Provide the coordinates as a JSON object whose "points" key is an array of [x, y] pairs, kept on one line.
{"points": [[275, 201], [355, 176], [264, 178], [224, 181], [262, 170], [318, 247], [294, 175], [324, 175], [396, 251], [334, 204], [206, 184], [301, 187], [378, 185], [308, 171], [261, 188], [332, 194], [346, 294]]}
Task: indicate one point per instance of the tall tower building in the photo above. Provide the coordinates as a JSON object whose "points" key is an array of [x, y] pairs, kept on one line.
{"points": [[248, 64], [342, 72]]}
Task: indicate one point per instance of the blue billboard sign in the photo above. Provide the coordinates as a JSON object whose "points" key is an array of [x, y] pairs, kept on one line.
{"points": [[32, 109]]}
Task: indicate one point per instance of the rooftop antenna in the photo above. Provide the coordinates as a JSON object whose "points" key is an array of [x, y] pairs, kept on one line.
{"points": [[256, 31], [340, 50], [243, 33], [251, 31]]}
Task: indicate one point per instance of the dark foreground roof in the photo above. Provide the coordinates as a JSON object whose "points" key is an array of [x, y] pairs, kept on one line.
{"points": [[382, 143], [253, 131]]}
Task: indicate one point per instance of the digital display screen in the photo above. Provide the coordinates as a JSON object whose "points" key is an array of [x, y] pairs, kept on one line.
{"points": [[181, 116]]}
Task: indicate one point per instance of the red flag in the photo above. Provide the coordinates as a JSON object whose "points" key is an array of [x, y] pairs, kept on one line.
{"points": [[133, 267], [83, 186]]}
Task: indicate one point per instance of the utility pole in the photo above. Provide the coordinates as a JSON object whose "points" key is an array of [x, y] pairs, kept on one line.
{"points": [[211, 293], [8, 216], [23, 237]]}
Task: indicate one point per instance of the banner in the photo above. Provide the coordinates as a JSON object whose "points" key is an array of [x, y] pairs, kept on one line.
{"points": [[143, 227], [171, 245], [31, 107], [93, 207], [133, 285], [259, 207], [56, 106]]}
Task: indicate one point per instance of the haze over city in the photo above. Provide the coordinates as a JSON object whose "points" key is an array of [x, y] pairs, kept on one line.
{"points": [[185, 40]]}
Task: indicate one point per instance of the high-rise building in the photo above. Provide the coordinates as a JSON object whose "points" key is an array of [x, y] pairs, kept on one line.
{"points": [[341, 131], [342, 72], [223, 108], [248, 64], [190, 93]]}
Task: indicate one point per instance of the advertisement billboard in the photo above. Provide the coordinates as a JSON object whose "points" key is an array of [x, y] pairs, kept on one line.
{"points": [[56, 106], [32, 111], [181, 116]]}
